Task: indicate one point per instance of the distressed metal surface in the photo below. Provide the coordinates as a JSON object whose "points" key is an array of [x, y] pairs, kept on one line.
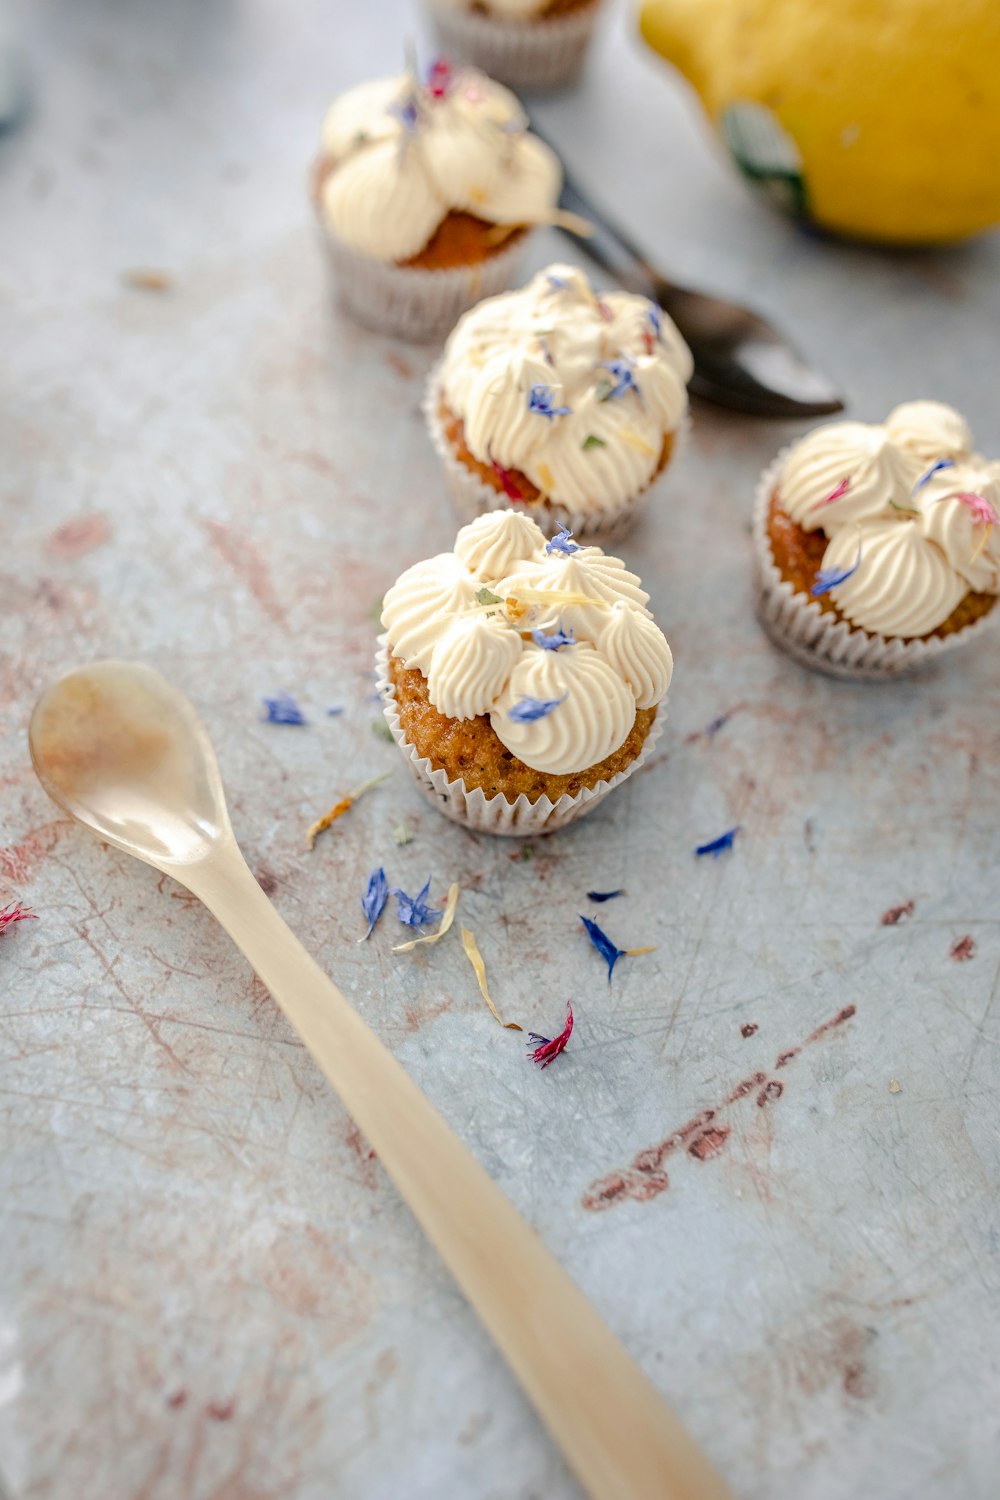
{"points": [[207, 1288]]}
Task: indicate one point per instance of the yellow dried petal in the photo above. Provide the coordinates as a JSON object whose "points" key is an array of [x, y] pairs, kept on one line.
{"points": [[446, 921], [339, 808], [633, 439], [475, 958]]}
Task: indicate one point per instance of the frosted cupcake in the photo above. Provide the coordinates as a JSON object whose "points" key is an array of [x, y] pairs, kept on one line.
{"points": [[522, 679], [427, 192], [559, 402], [878, 547], [529, 44]]}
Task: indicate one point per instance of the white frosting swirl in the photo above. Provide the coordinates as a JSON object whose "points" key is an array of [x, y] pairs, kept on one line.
{"points": [[853, 455], [418, 607], [472, 660], [596, 714], [491, 544], [929, 430], [903, 587], [614, 360], [480, 656], [637, 649], [962, 529], [404, 155]]}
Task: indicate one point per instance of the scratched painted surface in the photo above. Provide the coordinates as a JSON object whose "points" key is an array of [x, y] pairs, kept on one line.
{"points": [[207, 1288]]}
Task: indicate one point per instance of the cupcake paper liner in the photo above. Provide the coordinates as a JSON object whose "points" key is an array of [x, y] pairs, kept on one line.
{"points": [[471, 808], [473, 496], [525, 54], [794, 620], [412, 302]]}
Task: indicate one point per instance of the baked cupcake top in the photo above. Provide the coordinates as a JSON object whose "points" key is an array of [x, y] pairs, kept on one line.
{"points": [[552, 641], [402, 154], [911, 512], [575, 389]]}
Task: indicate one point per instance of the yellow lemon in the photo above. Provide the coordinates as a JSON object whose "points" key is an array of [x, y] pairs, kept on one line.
{"points": [[874, 118]]}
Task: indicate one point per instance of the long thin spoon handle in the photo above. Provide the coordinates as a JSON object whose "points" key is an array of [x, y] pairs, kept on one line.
{"points": [[616, 1432]]}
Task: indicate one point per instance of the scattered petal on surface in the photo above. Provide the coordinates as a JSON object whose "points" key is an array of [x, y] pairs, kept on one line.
{"points": [[475, 958], [283, 709], [719, 846], [549, 1048], [603, 895], [446, 921], [373, 901], [413, 911], [339, 808]]}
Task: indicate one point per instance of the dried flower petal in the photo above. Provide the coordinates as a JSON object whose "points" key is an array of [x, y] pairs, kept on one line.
{"points": [[446, 921], [374, 899], [605, 947], [339, 808], [603, 895], [561, 542], [558, 283], [440, 77], [655, 317], [624, 378], [283, 710], [14, 912], [593, 441], [553, 642], [413, 911], [719, 846], [527, 710], [935, 468], [540, 400], [831, 578], [475, 958], [906, 510], [508, 483], [402, 835], [835, 494], [549, 1048], [983, 511], [486, 596]]}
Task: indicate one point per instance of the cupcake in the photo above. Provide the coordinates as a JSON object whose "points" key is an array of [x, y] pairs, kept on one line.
{"points": [[878, 547], [528, 44], [561, 403], [427, 192], [522, 678]]}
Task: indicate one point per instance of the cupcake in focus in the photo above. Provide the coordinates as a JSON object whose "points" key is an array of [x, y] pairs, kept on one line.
{"points": [[878, 546], [559, 402], [427, 191], [522, 679], [528, 44]]}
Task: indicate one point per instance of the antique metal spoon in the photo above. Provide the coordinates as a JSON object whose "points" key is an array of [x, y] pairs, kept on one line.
{"points": [[124, 753], [739, 360]]}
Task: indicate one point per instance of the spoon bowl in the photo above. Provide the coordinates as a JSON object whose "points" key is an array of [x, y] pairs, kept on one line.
{"points": [[123, 751]]}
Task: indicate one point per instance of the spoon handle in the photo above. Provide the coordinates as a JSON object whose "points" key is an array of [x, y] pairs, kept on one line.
{"points": [[619, 1436]]}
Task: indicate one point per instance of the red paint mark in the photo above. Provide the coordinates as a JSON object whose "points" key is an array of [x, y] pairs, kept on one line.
{"points": [[77, 537], [748, 1029], [401, 366], [365, 1155], [964, 949], [897, 914], [711, 1143], [838, 1020], [702, 1137], [240, 553], [177, 1398], [221, 1411], [267, 880]]}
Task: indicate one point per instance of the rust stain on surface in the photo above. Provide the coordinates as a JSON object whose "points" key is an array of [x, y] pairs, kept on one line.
{"points": [[79, 536], [221, 1411], [749, 1028], [18, 861], [703, 1136], [963, 949], [246, 562], [897, 914]]}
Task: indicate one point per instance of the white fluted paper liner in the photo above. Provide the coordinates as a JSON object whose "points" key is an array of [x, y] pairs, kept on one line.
{"points": [[473, 496], [412, 302], [471, 808], [525, 54], [820, 640]]}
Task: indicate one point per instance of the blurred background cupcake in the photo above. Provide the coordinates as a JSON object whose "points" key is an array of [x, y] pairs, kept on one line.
{"points": [[521, 678], [561, 402], [528, 44], [427, 190], [878, 546]]}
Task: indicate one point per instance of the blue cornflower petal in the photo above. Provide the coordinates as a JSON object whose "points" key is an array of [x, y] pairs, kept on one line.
{"points": [[374, 899], [561, 542], [831, 578], [603, 895], [527, 710], [719, 846], [624, 377], [540, 401], [942, 463], [283, 710], [655, 319], [553, 642], [605, 947], [413, 910], [558, 282]]}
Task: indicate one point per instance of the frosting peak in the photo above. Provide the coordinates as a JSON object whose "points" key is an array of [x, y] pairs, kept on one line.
{"points": [[840, 474], [575, 389], [404, 154], [501, 620]]}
